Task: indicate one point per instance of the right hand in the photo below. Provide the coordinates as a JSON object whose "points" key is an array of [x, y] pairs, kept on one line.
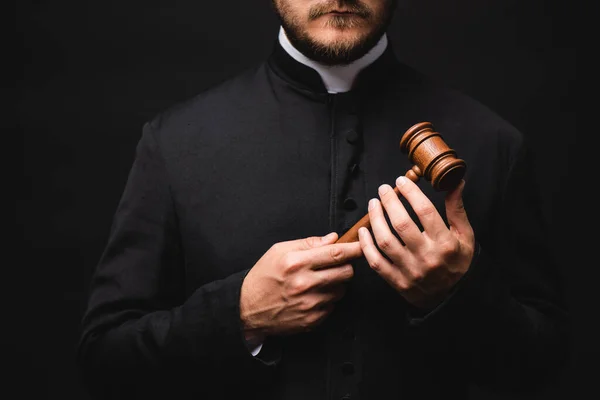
{"points": [[294, 285]]}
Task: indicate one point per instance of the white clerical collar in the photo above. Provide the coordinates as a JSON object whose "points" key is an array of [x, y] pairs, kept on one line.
{"points": [[337, 78]]}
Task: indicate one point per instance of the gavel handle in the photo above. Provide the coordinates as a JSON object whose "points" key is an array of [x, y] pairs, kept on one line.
{"points": [[352, 234]]}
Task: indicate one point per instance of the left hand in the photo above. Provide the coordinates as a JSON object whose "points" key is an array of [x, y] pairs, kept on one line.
{"points": [[429, 263]]}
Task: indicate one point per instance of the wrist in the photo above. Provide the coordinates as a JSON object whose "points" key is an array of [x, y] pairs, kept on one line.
{"points": [[252, 331]]}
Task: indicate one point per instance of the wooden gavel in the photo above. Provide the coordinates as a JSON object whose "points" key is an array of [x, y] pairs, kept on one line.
{"points": [[433, 160]]}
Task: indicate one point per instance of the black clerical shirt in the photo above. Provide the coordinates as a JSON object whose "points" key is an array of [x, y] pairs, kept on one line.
{"points": [[270, 156]]}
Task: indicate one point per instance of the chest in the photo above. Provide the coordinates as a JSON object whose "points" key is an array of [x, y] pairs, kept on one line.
{"points": [[292, 171]]}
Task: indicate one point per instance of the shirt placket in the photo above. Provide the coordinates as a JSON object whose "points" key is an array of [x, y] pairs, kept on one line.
{"points": [[348, 205]]}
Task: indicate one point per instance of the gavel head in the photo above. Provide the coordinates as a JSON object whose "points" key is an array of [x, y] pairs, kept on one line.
{"points": [[433, 159]]}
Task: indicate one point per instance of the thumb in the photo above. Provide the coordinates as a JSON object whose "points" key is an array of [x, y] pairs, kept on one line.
{"points": [[312, 242], [455, 210]]}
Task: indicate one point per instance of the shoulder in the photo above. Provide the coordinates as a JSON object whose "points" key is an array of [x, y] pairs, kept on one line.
{"points": [[209, 107], [473, 127], [453, 106]]}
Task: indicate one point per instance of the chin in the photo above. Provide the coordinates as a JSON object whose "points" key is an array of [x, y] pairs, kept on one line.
{"points": [[329, 36]]}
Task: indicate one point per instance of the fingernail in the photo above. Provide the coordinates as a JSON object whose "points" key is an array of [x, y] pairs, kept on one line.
{"points": [[372, 203], [401, 180], [362, 231], [383, 189]]}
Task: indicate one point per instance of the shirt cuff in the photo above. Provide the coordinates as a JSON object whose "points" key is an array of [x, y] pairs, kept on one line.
{"points": [[255, 350], [254, 346]]}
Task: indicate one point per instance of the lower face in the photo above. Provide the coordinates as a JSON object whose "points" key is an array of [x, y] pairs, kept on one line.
{"points": [[334, 31]]}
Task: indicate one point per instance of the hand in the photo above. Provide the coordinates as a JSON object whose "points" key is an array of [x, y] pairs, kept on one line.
{"points": [[428, 264], [294, 285]]}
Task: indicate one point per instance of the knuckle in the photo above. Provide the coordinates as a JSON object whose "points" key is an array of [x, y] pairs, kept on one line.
{"points": [[430, 262], [291, 262], [425, 209], [306, 305], [385, 243], [311, 242], [375, 265], [299, 285], [418, 276], [336, 253], [449, 248], [402, 225]]}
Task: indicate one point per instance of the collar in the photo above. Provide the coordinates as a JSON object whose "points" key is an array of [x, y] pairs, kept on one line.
{"points": [[308, 80], [336, 78]]}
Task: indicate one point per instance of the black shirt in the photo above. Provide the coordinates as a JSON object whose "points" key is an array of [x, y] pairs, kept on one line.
{"points": [[270, 156]]}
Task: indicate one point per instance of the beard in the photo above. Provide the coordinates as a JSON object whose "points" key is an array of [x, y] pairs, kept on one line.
{"points": [[343, 51]]}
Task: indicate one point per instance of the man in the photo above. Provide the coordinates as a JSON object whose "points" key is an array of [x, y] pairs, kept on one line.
{"points": [[223, 278]]}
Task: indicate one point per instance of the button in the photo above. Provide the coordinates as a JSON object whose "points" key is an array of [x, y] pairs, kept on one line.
{"points": [[348, 333], [348, 368], [349, 204], [352, 136], [346, 397], [353, 169]]}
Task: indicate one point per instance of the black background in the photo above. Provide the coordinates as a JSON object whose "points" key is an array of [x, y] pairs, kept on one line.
{"points": [[90, 73]]}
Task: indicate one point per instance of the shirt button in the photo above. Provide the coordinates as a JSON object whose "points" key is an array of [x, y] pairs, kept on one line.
{"points": [[352, 136], [348, 333], [348, 368], [349, 204], [353, 169]]}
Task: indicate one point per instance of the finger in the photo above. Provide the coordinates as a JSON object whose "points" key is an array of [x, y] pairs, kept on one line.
{"points": [[456, 213], [327, 277], [311, 242], [388, 271], [400, 220], [330, 255], [315, 313], [320, 314], [387, 242], [431, 220], [338, 293], [332, 294]]}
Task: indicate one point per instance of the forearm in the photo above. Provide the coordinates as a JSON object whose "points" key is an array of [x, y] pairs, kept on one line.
{"points": [[203, 335]]}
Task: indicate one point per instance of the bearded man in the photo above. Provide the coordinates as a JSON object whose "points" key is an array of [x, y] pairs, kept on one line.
{"points": [[224, 277]]}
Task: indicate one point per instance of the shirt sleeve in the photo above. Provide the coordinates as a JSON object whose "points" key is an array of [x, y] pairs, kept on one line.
{"points": [[139, 331], [506, 322]]}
